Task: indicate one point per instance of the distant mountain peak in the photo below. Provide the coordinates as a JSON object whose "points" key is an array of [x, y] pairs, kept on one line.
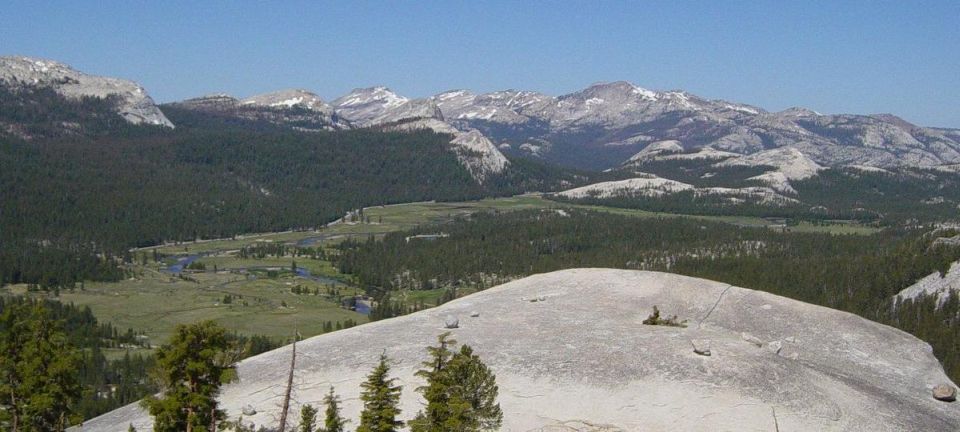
{"points": [[290, 98], [134, 104], [606, 123], [369, 95], [620, 89]]}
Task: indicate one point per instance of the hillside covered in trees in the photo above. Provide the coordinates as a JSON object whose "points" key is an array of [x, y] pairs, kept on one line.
{"points": [[859, 274], [74, 198]]}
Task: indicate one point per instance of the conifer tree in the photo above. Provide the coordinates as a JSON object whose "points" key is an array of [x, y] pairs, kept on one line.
{"points": [[38, 370], [461, 392], [333, 422], [475, 384], [380, 400], [308, 418], [190, 370], [437, 416]]}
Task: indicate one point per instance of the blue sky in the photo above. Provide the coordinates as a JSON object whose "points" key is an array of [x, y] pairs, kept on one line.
{"points": [[844, 56]]}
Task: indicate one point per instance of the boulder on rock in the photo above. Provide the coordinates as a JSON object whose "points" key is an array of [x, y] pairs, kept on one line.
{"points": [[945, 392], [451, 322], [248, 410]]}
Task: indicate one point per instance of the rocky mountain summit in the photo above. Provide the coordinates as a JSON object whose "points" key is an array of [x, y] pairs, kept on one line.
{"points": [[381, 107], [603, 125], [298, 109], [571, 353], [133, 102]]}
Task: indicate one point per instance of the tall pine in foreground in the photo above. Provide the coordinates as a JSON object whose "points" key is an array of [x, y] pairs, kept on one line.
{"points": [[333, 422], [308, 419], [38, 370], [380, 400], [190, 371], [474, 383], [461, 392]]}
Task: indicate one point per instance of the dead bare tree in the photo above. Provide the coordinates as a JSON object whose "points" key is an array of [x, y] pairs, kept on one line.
{"points": [[286, 396]]}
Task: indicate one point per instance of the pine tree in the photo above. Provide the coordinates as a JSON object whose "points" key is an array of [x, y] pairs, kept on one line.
{"points": [[190, 370], [437, 416], [38, 370], [461, 392], [475, 384], [380, 401], [333, 422], [308, 418]]}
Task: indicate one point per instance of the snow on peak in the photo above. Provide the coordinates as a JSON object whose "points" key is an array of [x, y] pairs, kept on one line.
{"points": [[648, 94], [454, 94], [366, 106], [742, 108], [370, 95], [621, 88], [289, 99]]}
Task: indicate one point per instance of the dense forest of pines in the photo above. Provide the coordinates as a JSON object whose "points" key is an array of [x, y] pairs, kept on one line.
{"points": [[859, 274], [97, 186], [107, 384]]}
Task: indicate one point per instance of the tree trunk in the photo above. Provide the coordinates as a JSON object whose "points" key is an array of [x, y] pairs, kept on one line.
{"points": [[16, 416], [286, 397]]}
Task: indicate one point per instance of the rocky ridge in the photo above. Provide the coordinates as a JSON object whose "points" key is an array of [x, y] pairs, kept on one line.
{"points": [[620, 118], [651, 186], [381, 107], [294, 108], [134, 104]]}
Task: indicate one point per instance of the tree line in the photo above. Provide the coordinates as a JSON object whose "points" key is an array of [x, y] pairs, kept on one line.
{"points": [[94, 191], [460, 391], [97, 384], [858, 274]]}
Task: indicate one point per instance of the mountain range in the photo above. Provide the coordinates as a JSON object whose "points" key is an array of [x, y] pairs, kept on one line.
{"points": [[604, 126]]}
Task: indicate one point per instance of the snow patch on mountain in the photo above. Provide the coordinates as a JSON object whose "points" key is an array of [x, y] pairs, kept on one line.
{"points": [[289, 99], [607, 116], [363, 106]]}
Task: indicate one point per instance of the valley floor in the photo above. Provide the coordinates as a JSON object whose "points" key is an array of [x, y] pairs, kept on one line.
{"points": [[262, 292]]}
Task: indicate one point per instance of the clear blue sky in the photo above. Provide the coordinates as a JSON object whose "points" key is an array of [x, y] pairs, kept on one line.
{"points": [[832, 56]]}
